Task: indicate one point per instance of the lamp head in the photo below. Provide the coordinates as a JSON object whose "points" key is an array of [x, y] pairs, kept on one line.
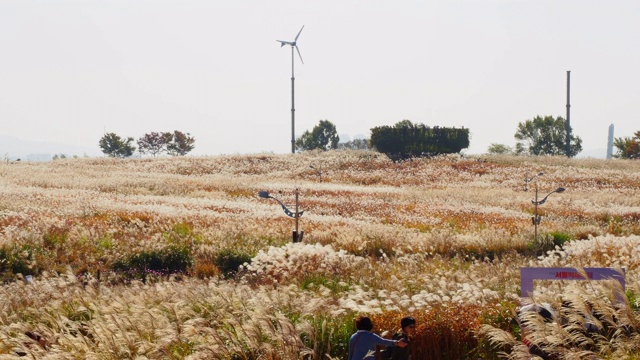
{"points": [[559, 190], [264, 194]]}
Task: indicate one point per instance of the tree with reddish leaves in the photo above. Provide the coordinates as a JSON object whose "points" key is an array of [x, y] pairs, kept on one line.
{"points": [[628, 147], [154, 143]]}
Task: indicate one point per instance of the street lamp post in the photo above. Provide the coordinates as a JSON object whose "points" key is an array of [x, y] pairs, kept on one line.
{"points": [[297, 235], [536, 218], [528, 179]]}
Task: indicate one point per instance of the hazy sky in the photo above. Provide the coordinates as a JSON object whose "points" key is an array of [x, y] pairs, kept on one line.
{"points": [[71, 69]]}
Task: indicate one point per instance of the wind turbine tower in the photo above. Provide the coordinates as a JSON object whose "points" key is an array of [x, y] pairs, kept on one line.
{"points": [[293, 45]]}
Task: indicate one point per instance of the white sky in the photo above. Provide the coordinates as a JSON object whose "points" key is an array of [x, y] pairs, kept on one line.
{"points": [[71, 69]]}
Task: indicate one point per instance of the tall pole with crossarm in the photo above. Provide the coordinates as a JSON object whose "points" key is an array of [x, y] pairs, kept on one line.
{"points": [[536, 218], [297, 233], [293, 44]]}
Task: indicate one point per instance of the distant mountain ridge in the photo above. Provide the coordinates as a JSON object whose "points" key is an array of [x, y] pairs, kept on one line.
{"points": [[14, 148]]}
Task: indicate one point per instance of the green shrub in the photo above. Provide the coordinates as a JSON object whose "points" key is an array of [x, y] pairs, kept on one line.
{"points": [[634, 301], [167, 261], [17, 261], [559, 238], [228, 261], [547, 242], [540, 245], [182, 234]]}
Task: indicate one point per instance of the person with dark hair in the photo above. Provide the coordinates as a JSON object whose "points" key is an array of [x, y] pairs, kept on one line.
{"points": [[407, 329], [362, 344]]}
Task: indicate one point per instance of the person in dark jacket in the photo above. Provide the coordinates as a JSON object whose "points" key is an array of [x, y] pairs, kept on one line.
{"points": [[407, 330]]}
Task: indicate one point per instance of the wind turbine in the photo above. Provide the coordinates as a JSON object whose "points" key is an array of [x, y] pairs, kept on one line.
{"points": [[293, 45]]}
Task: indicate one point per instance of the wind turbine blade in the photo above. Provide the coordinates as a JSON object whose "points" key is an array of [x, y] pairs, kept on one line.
{"points": [[298, 50], [296, 39]]}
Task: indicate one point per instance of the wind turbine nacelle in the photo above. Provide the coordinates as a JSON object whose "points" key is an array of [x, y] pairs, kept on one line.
{"points": [[283, 43]]}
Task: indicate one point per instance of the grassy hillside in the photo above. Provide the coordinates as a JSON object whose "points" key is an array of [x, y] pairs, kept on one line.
{"points": [[177, 257]]}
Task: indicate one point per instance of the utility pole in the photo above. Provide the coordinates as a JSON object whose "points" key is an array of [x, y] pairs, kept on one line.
{"points": [[568, 143]]}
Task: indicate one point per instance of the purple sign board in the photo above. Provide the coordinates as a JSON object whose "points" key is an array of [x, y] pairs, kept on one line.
{"points": [[527, 275]]}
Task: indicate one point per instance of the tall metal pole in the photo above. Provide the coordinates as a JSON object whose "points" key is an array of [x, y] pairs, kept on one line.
{"points": [[293, 108], [568, 144], [297, 236]]}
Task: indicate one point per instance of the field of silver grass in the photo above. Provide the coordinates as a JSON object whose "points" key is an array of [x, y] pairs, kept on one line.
{"points": [[380, 238]]}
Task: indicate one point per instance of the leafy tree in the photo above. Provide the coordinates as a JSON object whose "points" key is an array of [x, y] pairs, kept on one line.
{"points": [[545, 136], [114, 146], [355, 144], [323, 136], [405, 140], [499, 149], [154, 143], [180, 143], [628, 147], [403, 124]]}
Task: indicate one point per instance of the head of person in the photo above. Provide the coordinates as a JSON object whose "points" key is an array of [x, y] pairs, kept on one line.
{"points": [[408, 324], [364, 323]]}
